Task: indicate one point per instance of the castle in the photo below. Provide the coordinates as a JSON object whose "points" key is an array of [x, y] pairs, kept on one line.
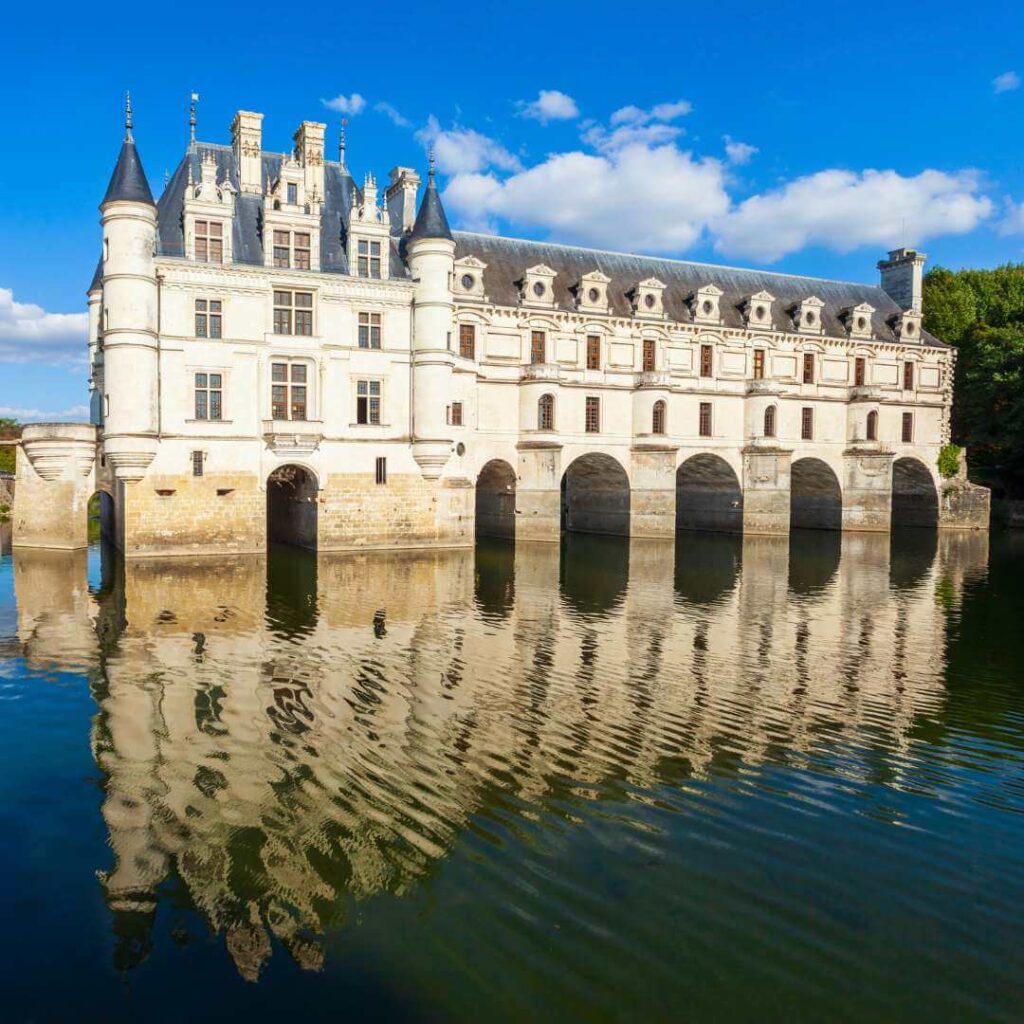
{"points": [[278, 352]]}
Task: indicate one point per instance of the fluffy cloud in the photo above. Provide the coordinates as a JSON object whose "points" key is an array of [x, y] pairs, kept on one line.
{"points": [[843, 210], [28, 334], [550, 105], [390, 112], [464, 151], [1006, 82], [633, 126], [73, 412], [352, 105], [659, 112], [738, 153], [1012, 222]]}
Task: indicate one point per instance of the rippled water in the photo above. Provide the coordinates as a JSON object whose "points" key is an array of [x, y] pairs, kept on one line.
{"points": [[748, 780]]}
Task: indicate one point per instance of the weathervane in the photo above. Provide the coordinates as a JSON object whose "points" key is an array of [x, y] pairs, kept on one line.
{"points": [[192, 119], [128, 117], [341, 142]]}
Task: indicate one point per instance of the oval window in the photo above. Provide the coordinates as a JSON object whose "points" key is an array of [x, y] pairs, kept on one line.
{"points": [[538, 288], [593, 295], [760, 312], [809, 316], [910, 328], [708, 307], [861, 323], [468, 280], [649, 300]]}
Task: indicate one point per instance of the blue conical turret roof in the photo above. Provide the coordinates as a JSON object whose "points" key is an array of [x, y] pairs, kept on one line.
{"points": [[431, 221]]}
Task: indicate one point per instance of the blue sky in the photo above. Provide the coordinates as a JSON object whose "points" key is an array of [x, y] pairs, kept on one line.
{"points": [[807, 138]]}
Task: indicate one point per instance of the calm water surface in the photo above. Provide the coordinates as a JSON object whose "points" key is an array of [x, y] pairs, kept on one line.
{"points": [[751, 780]]}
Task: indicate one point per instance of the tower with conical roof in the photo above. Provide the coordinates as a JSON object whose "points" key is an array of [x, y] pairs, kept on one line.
{"points": [[430, 251]]}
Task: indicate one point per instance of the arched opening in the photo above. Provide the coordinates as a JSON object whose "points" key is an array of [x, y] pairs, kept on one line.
{"points": [[915, 502], [101, 518], [496, 500], [769, 421], [658, 417], [291, 507], [595, 496], [816, 499], [872, 429], [708, 495], [546, 412]]}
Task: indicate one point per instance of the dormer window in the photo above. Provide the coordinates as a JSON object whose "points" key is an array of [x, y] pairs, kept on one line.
{"points": [[858, 320], [293, 194], [209, 241], [757, 309], [647, 298], [469, 278], [369, 258], [292, 249], [592, 292], [538, 286], [807, 315], [704, 305], [907, 326]]}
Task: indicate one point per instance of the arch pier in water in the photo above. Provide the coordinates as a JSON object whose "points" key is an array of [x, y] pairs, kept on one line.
{"points": [[292, 507]]}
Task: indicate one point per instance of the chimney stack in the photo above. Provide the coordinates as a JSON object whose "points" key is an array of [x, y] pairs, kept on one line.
{"points": [[247, 142], [903, 278], [309, 151], [401, 198]]}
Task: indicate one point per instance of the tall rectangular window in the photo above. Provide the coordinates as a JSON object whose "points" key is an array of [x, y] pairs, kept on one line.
{"points": [[807, 424], [758, 364], [908, 376], [593, 416], [369, 258], [369, 330], [859, 371], [301, 249], [368, 402], [593, 352], [197, 463], [288, 394], [808, 367], [538, 347], [282, 248], [293, 312], [208, 392], [704, 420], [210, 241], [908, 427], [382, 470], [293, 194], [208, 318], [650, 354], [455, 414], [467, 341], [706, 360]]}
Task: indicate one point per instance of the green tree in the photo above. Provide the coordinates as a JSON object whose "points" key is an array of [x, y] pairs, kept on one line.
{"points": [[7, 457]]}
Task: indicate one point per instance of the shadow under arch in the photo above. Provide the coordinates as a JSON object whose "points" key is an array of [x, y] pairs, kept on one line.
{"points": [[813, 559], [915, 501], [494, 575], [593, 572], [708, 495], [496, 500], [707, 567], [816, 499], [291, 590], [292, 507], [595, 496], [911, 556]]}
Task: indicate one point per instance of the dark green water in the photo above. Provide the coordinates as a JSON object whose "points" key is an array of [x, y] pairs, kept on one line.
{"points": [[742, 781]]}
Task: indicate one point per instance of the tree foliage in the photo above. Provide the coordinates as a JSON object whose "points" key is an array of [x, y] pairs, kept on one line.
{"points": [[981, 312], [7, 452]]}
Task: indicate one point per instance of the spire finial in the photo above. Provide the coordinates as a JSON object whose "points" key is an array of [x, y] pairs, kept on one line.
{"points": [[192, 119], [341, 142], [430, 163], [128, 117]]}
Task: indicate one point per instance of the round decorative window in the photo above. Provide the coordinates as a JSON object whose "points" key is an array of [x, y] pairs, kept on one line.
{"points": [[649, 300], [861, 323], [538, 288], [910, 328], [809, 317], [760, 312], [468, 280], [707, 307], [593, 295], [460, 449]]}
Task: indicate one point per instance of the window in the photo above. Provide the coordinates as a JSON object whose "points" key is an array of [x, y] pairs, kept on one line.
{"points": [[538, 347], [288, 391], [908, 427], [593, 352], [872, 430], [808, 367], [758, 364], [369, 258], [293, 194], [282, 248], [301, 249], [807, 424], [368, 402], [769, 421], [455, 414], [593, 416], [208, 314], [369, 330], [908, 376], [859, 371], [208, 396], [650, 352], [197, 463], [706, 360], [210, 241], [658, 418], [546, 412], [467, 341], [704, 422], [292, 249], [382, 470], [293, 312]]}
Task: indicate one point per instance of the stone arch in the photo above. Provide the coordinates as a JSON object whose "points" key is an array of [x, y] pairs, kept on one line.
{"points": [[496, 500], [101, 517], [292, 506], [708, 495], [816, 497], [915, 501], [595, 496]]}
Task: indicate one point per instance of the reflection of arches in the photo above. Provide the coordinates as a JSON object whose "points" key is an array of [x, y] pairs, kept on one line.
{"points": [[494, 579], [595, 496], [816, 499], [911, 555], [915, 501], [496, 500], [813, 560], [546, 412], [708, 495], [707, 567], [292, 507], [101, 517], [594, 572]]}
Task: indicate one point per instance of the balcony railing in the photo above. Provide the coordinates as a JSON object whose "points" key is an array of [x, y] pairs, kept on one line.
{"points": [[652, 379], [293, 437], [542, 371]]}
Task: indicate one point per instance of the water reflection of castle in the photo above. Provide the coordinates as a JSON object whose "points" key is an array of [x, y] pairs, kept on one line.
{"points": [[286, 750]]}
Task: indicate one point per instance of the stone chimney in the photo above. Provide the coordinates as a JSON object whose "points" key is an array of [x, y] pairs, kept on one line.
{"points": [[401, 198], [309, 151], [903, 277], [247, 142]]}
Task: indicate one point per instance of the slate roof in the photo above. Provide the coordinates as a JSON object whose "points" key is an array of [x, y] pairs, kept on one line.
{"points": [[431, 221], [128, 182], [508, 258]]}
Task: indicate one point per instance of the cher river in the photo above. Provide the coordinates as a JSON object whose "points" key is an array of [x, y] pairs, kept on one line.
{"points": [[726, 780]]}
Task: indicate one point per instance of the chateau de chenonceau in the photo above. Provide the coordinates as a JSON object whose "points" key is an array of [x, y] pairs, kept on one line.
{"points": [[279, 352]]}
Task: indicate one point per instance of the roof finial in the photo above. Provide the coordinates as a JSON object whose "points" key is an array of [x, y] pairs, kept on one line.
{"points": [[128, 117], [430, 164], [192, 119], [341, 142]]}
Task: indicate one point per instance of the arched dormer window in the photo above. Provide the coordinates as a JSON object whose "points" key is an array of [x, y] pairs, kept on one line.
{"points": [[658, 418], [546, 412], [873, 425], [769, 421]]}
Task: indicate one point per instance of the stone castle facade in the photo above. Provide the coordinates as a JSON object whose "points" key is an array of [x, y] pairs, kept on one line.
{"points": [[279, 351]]}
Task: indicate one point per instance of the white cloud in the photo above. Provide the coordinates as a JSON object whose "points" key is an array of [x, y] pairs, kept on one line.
{"points": [[352, 105], [842, 210], [389, 111], [28, 334], [73, 412], [738, 153], [632, 125], [550, 105], [1012, 222], [659, 112], [1006, 82], [464, 151]]}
